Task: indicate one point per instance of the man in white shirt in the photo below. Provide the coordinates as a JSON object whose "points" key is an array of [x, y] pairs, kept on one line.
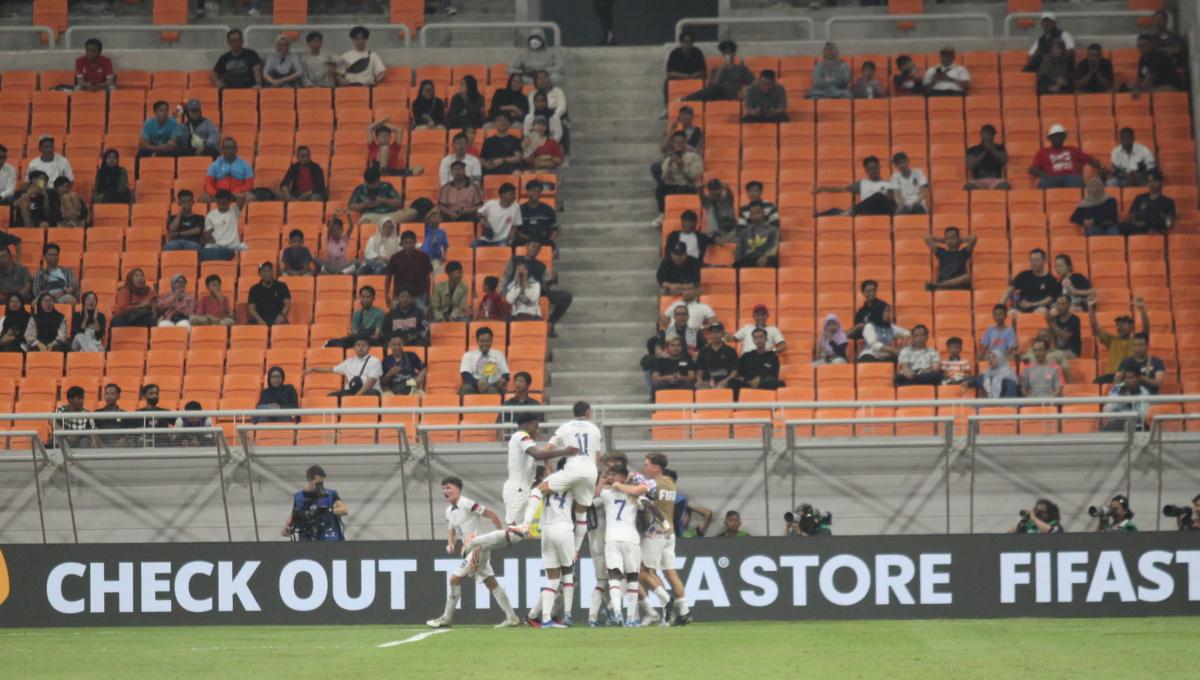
{"points": [[221, 229], [699, 314], [8, 177], [947, 78], [1130, 162], [380, 248], [53, 164], [483, 370], [473, 168], [360, 66], [361, 372], [498, 217], [911, 187], [876, 195], [745, 334]]}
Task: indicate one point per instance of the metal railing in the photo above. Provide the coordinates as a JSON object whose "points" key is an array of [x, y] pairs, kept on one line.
{"points": [[92, 29], [985, 19], [327, 29], [1011, 19], [41, 30], [450, 26], [804, 22]]}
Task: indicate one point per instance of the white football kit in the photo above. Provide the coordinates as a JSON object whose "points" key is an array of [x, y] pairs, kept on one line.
{"points": [[558, 532], [520, 476], [466, 519], [622, 550], [578, 475]]}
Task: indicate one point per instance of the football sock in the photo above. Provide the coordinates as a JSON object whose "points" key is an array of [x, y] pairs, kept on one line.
{"points": [[631, 600], [597, 598], [535, 612], [531, 507], [581, 527], [451, 602], [502, 600], [568, 592], [614, 597], [549, 591], [661, 593], [493, 539], [644, 608], [681, 604]]}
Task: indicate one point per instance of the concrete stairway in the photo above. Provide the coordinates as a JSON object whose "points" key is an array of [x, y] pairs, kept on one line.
{"points": [[609, 252]]}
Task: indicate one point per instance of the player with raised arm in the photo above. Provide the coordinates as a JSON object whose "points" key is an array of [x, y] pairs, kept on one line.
{"points": [[622, 551], [523, 453], [658, 546], [465, 517]]}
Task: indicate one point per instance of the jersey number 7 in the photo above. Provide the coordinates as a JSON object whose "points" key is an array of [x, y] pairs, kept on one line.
{"points": [[620, 509]]}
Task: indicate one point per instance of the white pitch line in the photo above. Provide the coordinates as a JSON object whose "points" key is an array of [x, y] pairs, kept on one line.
{"points": [[416, 638]]}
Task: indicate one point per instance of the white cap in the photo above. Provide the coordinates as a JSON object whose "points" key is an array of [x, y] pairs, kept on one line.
{"points": [[1050, 16], [1056, 129]]}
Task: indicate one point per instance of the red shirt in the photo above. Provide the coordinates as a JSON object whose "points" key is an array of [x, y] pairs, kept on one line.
{"points": [[303, 180], [1066, 160], [395, 159], [94, 73], [550, 147]]}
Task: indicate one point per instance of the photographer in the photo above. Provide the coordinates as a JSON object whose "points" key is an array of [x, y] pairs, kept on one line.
{"points": [[1043, 519], [1116, 516], [317, 512], [1187, 518], [808, 521]]}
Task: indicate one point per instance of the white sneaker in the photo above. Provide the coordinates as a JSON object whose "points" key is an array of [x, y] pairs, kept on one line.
{"points": [[511, 622], [658, 221], [439, 622]]}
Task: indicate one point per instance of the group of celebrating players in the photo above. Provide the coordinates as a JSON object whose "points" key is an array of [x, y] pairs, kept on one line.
{"points": [[630, 537]]}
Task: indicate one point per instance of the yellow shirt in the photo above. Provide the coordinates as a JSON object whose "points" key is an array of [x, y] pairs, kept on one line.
{"points": [[1118, 349]]}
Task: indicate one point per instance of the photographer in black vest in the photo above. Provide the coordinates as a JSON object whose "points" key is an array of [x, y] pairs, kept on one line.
{"points": [[317, 512]]}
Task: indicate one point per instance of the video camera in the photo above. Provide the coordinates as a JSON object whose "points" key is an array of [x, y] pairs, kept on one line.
{"points": [[309, 520], [1102, 513], [1182, 515], [808, 518]]}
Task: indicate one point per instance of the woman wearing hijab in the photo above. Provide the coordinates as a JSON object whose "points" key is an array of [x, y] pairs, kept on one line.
{"points": [[1097, 212], [880, 339], [176, 307], [998, 381], [537, 57], [466, 106], [88, 325], [277, 395], [510, 100], [15, 323], [831, 76], [428, 110], [112, 180], [47, 328], [831, 344], [541, 109], [134, 305]]}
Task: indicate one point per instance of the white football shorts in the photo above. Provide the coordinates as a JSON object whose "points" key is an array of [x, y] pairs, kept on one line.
{"points": [[658, 552], [558, 547], [625, 557], [581, 482], [515, 497]]}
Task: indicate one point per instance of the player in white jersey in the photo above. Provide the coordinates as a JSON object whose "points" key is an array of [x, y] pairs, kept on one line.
{"points": [[595, 538], [523, 453], [658, 547], [558, 554], [622, 501], [465, 518]]}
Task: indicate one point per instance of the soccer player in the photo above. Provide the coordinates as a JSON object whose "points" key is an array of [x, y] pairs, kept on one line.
{"points": [[558, 555], [523, 452], [465, 519], [658, 547], [622, 550], [596, 549]]}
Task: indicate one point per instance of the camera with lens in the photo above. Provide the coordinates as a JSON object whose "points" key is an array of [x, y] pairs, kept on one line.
{"points": [[1102, 513], [809, 520], [309, 520], [1182, 515]]}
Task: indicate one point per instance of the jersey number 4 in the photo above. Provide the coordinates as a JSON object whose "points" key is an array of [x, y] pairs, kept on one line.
{"points": [[562, 500]]}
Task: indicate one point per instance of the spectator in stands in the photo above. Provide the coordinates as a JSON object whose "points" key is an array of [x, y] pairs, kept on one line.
{"points": [[185, 229], [1033, 288], [758, 243], [538, 57], [296, 259], [214, 308], [498, 218], [379, 249], [231, 173], [14, 324], [1152, 372], [694, 139], [1059, 166], [491, 305], [409, 268], [1120, 344], [15, 280], [320, 70], [1041, 47], [682, 172], [1056, 73], [719, 213], [876, 195], [1170, 44], [270, 300], [94, 71], [986, 161], [112, 397], [376, 200], [539, 150], [8, 178], [37, 206], [830, 76], [1152, 212], [177, 306], [881, 339], [240, 67], [908, 80], [539, 221], [685, 62], [745, 334], [522, 295], [72, 210], [49, 162], [953, 254], [871, 310], [947, 78], [435, 242], [304, 179], [361, 372], [1064, 327], [1129, 384], [754, 192], [460, 199], [675, 371], [466, 106], [1061, 358], [759, 369], [54, 279], [1130, 162], [541, 109], [75, 397], [406, 319], [221, 229], [88, 324], [510, 99], [699, 314], [521, 383], [910, 186], [502, 154], [360, 66], [135, 300], [47, 328], [830, 347], [677, 268], [202, 137], [765, 101], [728, 80], [1157, 72], [112, 180], [385, 152], [403, 371], [1041, 379], [955, 368], [866, 85], [335, 255], [449, 300], [918, 364], [1097, 211], [471, 165], [998, 381], [1095, 73], [428, 109], [1074, 285], [282, 67], [680, 329], [560, 300], [278, 394], [716, 362], [694, 242], [556, 100], [484, 370], [365, 322]]}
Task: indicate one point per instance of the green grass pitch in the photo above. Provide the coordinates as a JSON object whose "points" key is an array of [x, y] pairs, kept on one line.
{"points": [[1010, 648]]}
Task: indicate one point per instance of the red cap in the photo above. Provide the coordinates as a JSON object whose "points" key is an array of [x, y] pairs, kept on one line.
{"points": [[759, 308]]}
